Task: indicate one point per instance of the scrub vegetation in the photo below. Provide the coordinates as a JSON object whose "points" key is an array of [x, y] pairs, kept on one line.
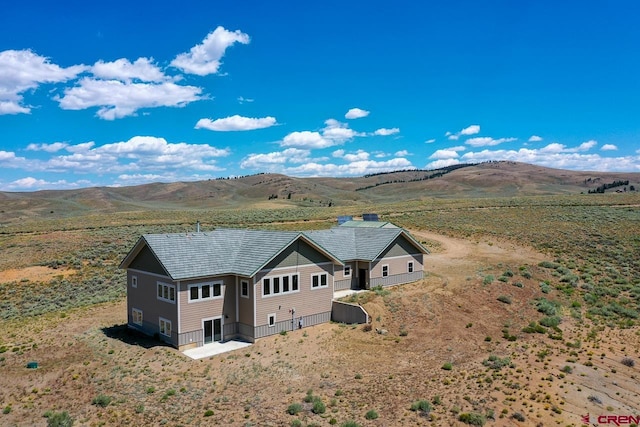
{"points": [[555, 280]]}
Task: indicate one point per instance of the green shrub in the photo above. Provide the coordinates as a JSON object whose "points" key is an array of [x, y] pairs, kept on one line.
{"points": [[350, 424], [437, 400], [550, 308], [496, 363], [550, 321], [534, 328], [371, 414], [545, 287], [447, 366], [101, 400], [518, 417], [6, 409], [59, 419], [488, 279], [296, 423], [318, 406], [208, 413], [505, 299], [472, 418], [567, 369], [421, 405], [294, 409]]}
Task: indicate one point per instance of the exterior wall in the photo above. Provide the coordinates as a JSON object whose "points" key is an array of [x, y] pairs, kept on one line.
{"points": [[146, 261], [192, 313], [344, 312], [398, 271], [313, 305], [341, 282], [298, 253], [144, 297]]}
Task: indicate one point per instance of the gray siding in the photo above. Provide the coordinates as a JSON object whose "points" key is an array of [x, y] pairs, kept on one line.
{"points": [[299, 253], [401, 246], [144, 298], [146, 261], [287, 325], [397, 279]]}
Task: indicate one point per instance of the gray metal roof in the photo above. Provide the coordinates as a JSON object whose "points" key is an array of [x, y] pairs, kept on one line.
{"points": [[359, 243], [218, 252]]}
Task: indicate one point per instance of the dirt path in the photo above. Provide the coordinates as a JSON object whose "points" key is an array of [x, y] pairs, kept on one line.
{"points": [[456, 259]]}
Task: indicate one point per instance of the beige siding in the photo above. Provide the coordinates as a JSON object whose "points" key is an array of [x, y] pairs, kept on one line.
{"points": [[245, 305], [192, 313], [306, 301], [397, 265], [144, 297]]}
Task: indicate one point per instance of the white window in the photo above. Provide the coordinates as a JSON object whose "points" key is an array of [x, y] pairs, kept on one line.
{"points": [[205, 291], [276, 285], [385, 270], [271, 320], [136, 316], [134, 281], [166, 292], [165, 327], [410, 267], [244, 289], [319, 280], [347, 271]]}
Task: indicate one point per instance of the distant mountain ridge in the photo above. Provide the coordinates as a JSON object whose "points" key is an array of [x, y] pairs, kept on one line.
{"points": [[490, 179]]}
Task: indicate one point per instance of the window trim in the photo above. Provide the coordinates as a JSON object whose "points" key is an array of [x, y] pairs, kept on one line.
{"points": [[345, 269], [410, 267], [166, 322], [169, 288], [134, 281], [271, 316], [135, 313], [319, 276], [294, 279], [385, 270], [242, 293], [199, 286]]}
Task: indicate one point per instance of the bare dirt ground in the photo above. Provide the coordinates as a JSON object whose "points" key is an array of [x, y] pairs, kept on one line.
{"points": [[452, 316]]}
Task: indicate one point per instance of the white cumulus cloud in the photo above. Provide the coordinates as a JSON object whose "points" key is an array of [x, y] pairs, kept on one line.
{"points": [[117, 99], [535, 138], [236, 123], [386, 132], [484, 141], [442, 163], [401, 153], [143, 69], [356, 113], [49, 148], [306, 140], [469, 130], [609, 147], [267, 161], [204, 59], [23, 70]]}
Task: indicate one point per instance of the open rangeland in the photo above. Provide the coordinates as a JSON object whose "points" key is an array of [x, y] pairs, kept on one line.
{"points": [[527, 316]]}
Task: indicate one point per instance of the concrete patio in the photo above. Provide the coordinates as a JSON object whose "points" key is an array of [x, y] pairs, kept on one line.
{"points": [[215, 348]]}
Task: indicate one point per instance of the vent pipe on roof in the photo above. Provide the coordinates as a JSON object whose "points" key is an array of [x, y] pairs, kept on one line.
{"points": [[197, 226]]}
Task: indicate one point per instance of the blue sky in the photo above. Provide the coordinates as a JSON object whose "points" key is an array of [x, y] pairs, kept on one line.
{"points": [[125, 93]]}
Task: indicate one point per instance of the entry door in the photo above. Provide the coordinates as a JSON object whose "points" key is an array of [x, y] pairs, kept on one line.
{"points": [[362, 278], [212, 330]]}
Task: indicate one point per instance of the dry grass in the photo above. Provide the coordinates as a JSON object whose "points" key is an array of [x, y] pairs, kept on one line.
{"points": [[452, 316]]}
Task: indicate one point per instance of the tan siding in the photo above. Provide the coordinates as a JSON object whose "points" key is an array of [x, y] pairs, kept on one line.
{"points": [[192, 313], [397, 265], [146, 261], [144, 297], [245, 305], [306, 301]]}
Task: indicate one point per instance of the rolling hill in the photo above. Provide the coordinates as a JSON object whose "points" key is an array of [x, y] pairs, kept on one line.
{"points": [[491, 179]]}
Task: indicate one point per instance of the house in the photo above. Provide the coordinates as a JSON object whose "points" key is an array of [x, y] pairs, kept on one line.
{"points": [[191, 289], [375, 254]]}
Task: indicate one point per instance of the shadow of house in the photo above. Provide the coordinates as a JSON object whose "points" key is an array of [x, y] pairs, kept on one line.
{"points": [[133, 337]]}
